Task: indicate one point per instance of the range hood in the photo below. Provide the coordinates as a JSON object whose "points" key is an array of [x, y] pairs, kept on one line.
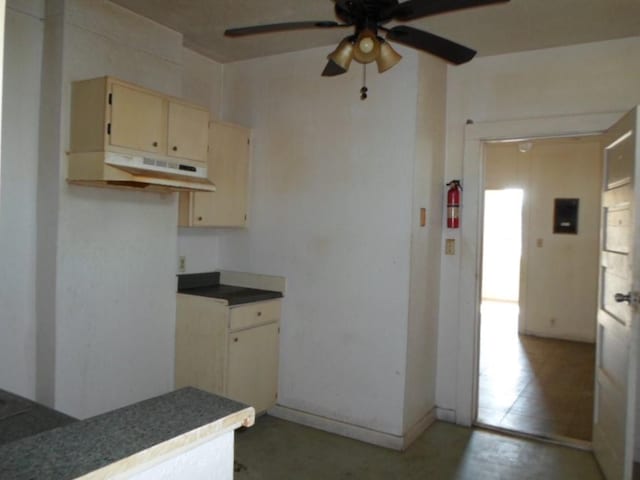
{"points": [[149, 173]]}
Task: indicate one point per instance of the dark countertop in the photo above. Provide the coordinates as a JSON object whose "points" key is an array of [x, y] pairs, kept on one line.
{"points": [[20, 418], [84, 446], [208, 285]]}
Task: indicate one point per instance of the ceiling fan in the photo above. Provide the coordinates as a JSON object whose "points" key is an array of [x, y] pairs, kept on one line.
{"points": [[369, 17]]}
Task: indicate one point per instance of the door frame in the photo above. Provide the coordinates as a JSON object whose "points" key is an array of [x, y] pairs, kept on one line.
{"points": [[469, 271]]}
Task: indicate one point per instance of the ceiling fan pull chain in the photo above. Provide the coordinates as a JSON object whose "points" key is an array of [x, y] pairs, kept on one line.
{"points": [[364, 89]]}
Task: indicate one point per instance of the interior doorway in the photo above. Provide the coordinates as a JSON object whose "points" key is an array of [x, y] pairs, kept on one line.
{"points": [[537, 355]]}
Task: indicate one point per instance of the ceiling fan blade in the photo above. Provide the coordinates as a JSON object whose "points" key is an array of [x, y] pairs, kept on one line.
{"points": [[332, 69], [430, 43], [281, 27], [413, 9]]}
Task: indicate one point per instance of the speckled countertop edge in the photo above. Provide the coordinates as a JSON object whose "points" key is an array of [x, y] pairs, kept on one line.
{"points": [[125, 438], [165, 450]]}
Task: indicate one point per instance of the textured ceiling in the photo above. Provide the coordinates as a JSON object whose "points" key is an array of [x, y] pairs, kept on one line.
{"points": [[503, 28]]}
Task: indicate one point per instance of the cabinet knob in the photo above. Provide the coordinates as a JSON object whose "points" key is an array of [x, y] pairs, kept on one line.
{"points": [[235, 339], [199, 219], [155, 144], [175, 149], [259, 314]]}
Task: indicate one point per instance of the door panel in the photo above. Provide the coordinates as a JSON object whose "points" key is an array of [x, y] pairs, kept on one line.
{"points": [[616, 356], [618, 228]]}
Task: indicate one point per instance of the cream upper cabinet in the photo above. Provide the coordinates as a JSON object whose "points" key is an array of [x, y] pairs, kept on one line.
{"points": [[138, 119], [228, 168], [187, 131], [112, 115]]}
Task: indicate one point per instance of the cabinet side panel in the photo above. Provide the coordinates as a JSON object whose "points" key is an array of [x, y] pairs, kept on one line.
{"points": [[88, 115], [201, 341], [184, 209]]}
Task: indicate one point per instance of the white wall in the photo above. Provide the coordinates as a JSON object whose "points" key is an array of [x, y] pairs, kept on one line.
{"points": [[598, 77], [18, 187], [115, 258], [331, 210], [89, 292], [428, 176], [202, 83], [559, 285]]}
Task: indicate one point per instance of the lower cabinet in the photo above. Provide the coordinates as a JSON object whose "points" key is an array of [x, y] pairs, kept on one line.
{"points": [[231, 351]]}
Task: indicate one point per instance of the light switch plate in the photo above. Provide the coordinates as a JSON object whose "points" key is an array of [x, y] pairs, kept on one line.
{"points": [[450, 246]]}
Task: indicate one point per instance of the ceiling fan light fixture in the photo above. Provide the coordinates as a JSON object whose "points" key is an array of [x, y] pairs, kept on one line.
{"points": [[388, 57], [343, 55], [367, 47]]}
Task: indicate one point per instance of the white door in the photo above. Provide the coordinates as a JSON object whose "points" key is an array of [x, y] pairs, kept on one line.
{"points": [[617, 335]]}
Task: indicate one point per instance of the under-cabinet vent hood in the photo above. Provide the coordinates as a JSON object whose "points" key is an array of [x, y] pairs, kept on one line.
{"points": [[110, 169]]}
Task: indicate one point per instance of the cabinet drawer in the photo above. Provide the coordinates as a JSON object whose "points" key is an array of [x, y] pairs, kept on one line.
{"points": [[252, 314]]}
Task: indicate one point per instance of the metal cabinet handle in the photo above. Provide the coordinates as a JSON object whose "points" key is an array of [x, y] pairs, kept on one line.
{"points": [[235, 339], [155, 144], [259, 314], [199, 219], [175, 149]]}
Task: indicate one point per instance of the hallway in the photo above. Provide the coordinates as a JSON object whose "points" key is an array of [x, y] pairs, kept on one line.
{"points": [[535, 385]]}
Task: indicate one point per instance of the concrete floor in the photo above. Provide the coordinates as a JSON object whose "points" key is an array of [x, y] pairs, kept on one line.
{"points": [[276, 449]]}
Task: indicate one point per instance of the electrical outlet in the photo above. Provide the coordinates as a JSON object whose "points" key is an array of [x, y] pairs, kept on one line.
{"points": [[182, 264], [450, 246]]}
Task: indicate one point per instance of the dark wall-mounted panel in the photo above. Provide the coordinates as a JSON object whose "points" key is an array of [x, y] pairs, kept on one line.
{"points": [[565, 215]]}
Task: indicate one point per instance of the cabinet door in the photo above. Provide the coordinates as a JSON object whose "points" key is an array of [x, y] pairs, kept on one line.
{"points": [[138, 120], [228, 169], [253, 366], [188, 130]]}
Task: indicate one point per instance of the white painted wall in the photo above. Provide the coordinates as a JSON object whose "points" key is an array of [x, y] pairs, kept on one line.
{"points": [[559, 285], [589, 78], [18, 188], [331, 210], [428, 181], [115, 259], [202, 83]]}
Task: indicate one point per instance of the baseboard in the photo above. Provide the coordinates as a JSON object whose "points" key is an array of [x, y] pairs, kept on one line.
{"points": [[571, 338], [446, 414], [418, 428], [356, 432]]}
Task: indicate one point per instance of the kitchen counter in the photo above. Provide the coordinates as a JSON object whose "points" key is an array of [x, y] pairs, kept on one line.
{"points": [[208, 285], [20, 418], [124, 440]]}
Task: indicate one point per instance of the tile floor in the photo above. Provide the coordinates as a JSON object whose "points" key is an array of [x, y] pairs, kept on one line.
{"points": [[274, 449], [530, 384]]}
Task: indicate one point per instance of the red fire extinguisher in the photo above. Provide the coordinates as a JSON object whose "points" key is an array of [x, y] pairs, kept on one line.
{"points": [[453, 203]]}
